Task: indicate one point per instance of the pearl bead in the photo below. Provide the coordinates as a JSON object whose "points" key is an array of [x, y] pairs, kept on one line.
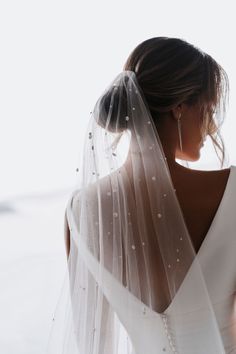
{"points": [[133, 108], [133, 247], [126, 118], [115, 214], [159, 215], [153, 178]]}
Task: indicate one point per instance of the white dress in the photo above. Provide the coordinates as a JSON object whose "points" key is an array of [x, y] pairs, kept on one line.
{"points": [[149, 330]]}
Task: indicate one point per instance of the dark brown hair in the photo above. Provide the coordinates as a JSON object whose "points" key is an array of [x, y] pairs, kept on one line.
{"points": [[171, 71]]}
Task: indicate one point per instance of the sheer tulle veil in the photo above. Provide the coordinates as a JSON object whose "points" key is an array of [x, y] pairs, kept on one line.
{"points": [[128, 235]]}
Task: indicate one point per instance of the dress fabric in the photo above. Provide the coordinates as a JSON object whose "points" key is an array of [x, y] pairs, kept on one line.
{"points": [[150, 332]]}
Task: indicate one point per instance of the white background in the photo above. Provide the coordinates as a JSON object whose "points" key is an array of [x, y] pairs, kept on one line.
{"points": [[56, 58]]}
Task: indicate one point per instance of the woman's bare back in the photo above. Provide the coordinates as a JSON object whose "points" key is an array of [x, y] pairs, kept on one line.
{"points": [[199, 194]]}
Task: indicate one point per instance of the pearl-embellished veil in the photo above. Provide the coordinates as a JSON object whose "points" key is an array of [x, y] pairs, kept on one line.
{"points": [[128, 236]]}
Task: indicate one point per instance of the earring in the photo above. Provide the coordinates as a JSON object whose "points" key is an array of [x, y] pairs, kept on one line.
{"points": [[179, 131]]}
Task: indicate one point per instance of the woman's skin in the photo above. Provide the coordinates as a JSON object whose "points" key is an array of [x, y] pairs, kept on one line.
{"points": [[192, 138], [199, 192]]}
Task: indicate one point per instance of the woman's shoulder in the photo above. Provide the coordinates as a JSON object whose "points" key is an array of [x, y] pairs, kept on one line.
{"points": [[73, 194], [221, 177], [216, 178], [211, 176], [202, 186], [90, 192]]}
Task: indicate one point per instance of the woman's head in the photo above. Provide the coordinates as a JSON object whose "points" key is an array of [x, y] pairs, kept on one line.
{"points": [[177, 77]]}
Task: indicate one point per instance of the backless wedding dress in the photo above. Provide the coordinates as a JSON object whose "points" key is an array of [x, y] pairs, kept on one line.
{"points": [[130, 248], [151, 332]]}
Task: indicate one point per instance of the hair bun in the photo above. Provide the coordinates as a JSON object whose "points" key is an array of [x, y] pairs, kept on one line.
{"points": [[111, 108]]}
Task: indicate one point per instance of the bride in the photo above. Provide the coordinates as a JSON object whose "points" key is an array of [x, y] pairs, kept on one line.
{"points": [[151, 243]]}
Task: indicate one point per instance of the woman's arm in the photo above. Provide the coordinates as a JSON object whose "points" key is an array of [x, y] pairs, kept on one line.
{"points": [[67, 236]]}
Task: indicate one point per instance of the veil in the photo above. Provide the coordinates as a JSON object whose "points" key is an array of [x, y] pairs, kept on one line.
{"points": [[130, 250]]}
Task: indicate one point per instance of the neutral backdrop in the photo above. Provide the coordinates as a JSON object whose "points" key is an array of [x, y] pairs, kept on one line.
{"points": [[56, 59]]}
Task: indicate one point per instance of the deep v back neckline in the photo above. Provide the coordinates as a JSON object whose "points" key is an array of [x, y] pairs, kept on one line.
{"points": [[122, 289], [217, 210], [198, 253]]}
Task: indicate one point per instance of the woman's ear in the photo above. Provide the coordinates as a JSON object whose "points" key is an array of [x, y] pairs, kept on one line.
{"points": [[177, 111]]}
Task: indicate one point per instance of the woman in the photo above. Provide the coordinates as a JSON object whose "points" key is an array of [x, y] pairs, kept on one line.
{"points": [[150, 243]]}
